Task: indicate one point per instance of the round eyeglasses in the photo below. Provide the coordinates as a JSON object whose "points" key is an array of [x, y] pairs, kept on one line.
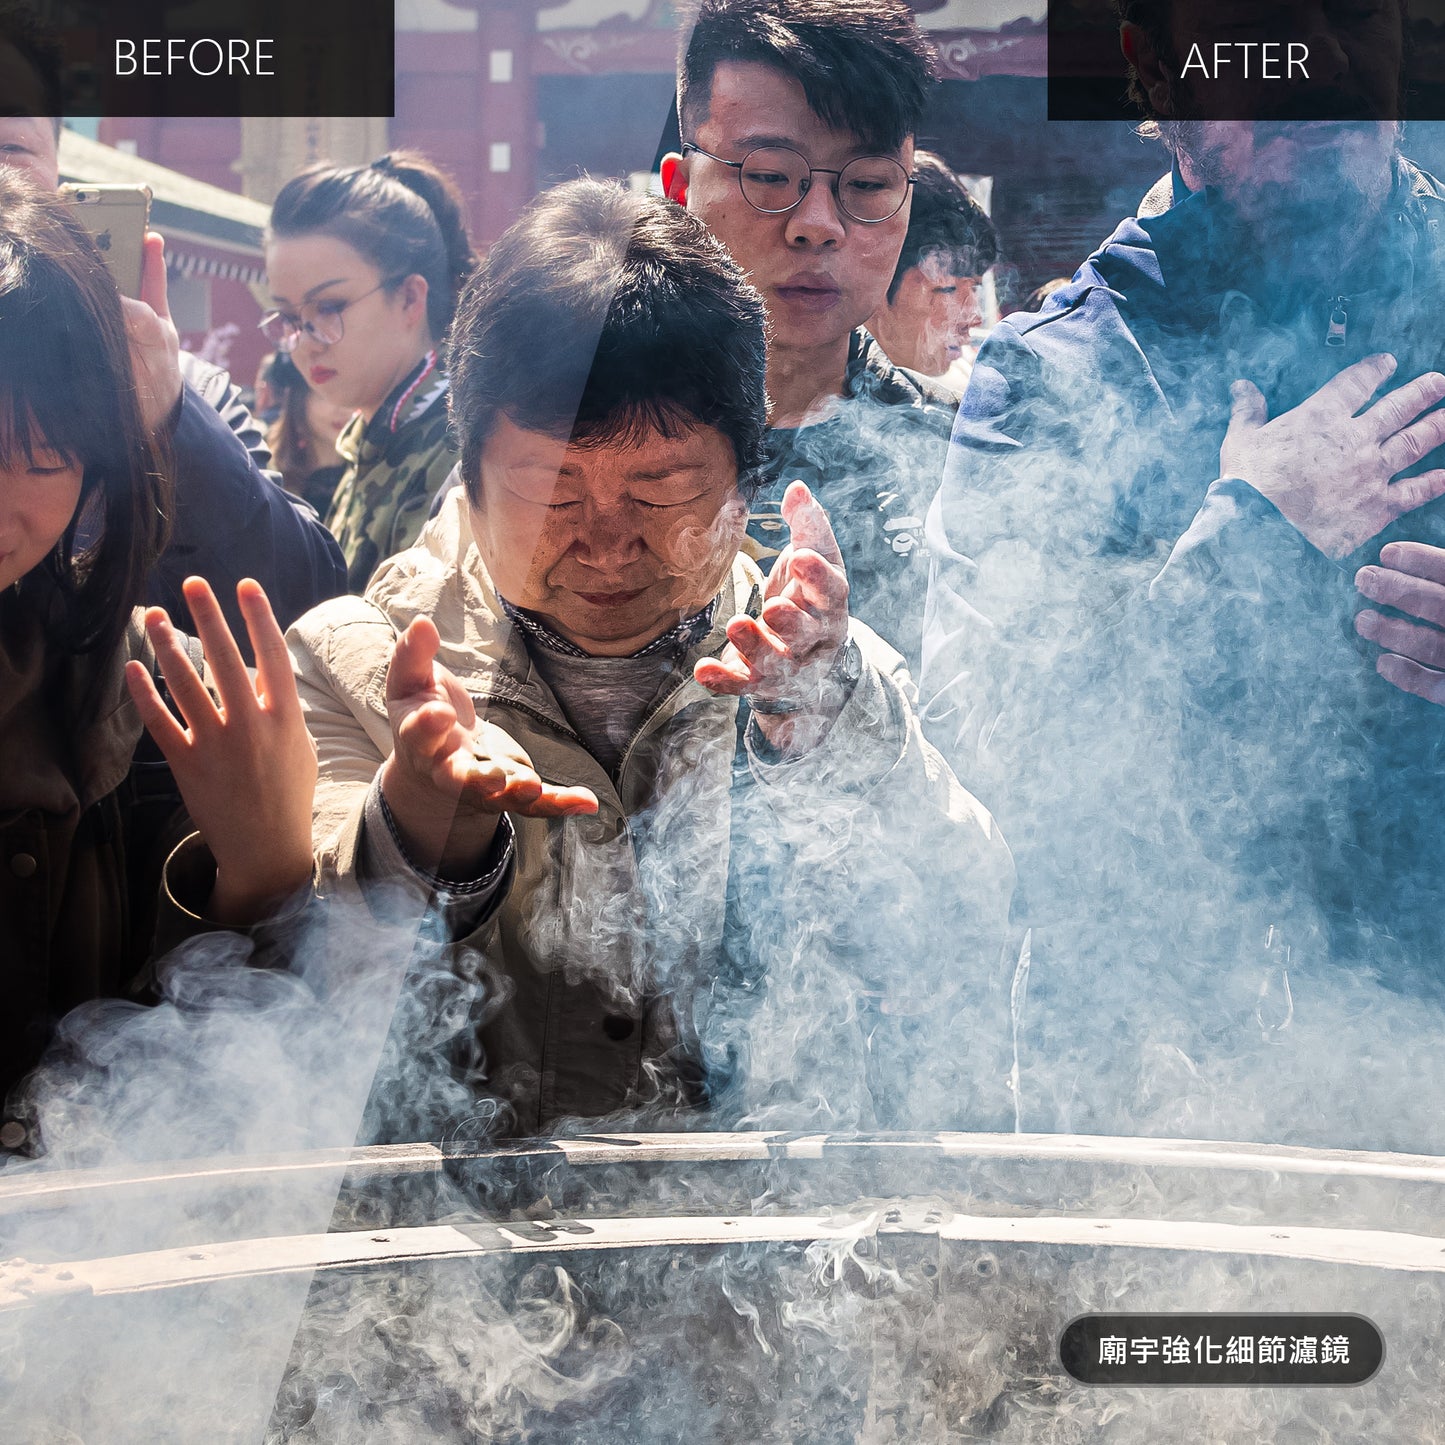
{"points": [[325, 326], [774, 179]]}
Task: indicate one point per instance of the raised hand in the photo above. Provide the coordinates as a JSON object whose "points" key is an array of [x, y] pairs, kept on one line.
{"points": [[450, 778], [155, 345], [246, 769], [1410, 578], [783, 660], [1328, 465]]}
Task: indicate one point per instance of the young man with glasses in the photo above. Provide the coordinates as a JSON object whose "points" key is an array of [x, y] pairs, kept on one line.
{"points": [[798, 120], [933, 301]]}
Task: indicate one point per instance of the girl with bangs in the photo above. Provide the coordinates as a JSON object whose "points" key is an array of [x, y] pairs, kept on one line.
{"points": [[86, 820]]}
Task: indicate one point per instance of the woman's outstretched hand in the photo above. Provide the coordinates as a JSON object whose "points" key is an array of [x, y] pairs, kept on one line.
{"points": [[246, 769], [450, 777], [782, 660]]}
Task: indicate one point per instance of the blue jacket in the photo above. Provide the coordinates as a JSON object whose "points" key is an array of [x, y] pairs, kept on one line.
{"points": [[1146, 674]]}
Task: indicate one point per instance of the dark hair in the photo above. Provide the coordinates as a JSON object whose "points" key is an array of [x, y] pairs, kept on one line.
{"points": [[289, 436], [1041, 294], [66, 384], [945, 221], [402, 213], [864, 65], [38, 46], [601, 314], [281, 372]]}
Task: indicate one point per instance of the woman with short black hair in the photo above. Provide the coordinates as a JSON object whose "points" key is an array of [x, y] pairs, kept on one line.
{"points": [[84, 503]]}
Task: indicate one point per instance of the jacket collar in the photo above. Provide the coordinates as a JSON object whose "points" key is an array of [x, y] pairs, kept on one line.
{"points": [[408, 402], [1167, 191], [677, 638], [872, 373], [1203, 251]]}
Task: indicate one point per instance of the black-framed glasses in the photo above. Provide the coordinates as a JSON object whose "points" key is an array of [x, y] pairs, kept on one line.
{"points": [[325, 326], [774, 179]]}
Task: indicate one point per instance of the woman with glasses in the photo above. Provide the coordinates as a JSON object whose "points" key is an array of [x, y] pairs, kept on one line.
{"points": [[365, 264]]}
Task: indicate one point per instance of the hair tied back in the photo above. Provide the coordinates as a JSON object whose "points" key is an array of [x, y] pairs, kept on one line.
{"points": [[399, 212]]}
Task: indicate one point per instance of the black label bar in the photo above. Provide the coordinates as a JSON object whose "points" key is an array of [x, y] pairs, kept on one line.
{"points": [[204, 58], [1221, 1349]]}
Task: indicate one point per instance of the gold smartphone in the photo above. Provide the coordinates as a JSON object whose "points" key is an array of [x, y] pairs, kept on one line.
{"points": [[116, 216]]}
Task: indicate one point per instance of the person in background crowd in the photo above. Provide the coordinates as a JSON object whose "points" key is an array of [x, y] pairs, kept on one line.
{"points": [[1168, 490], [932, 304], [603, 742], [365, 264], [1040, 294], [265, 395], [83, 833], [231, 519], [798, 119], [304, 434]]}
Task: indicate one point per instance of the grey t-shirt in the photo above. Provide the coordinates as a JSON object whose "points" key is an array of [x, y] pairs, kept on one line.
{"points": [[605, 698]]}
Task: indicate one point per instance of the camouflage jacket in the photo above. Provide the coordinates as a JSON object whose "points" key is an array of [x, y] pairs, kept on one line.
{"points": [[396, 463]]}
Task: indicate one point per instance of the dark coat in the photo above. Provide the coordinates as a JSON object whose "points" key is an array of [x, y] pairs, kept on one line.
{"points": [[100, 871], [73, 927], [232, 518], [1147, 675]]}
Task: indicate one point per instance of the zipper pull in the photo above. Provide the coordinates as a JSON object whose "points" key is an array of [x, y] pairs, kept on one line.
{"points": [[1339, 321]]}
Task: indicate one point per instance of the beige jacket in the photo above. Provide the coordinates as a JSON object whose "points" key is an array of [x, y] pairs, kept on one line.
{"points": [[608, 952]]}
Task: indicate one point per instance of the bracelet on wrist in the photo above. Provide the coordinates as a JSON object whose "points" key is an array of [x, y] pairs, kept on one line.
{"points": [[843, 673]]}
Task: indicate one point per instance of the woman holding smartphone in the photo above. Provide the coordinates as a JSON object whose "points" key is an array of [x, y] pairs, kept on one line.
{"points": [[365, 264], [84, 504]]}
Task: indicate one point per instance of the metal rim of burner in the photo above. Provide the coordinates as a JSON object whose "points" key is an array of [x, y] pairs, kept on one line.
{"points": [[22, 1283]]}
